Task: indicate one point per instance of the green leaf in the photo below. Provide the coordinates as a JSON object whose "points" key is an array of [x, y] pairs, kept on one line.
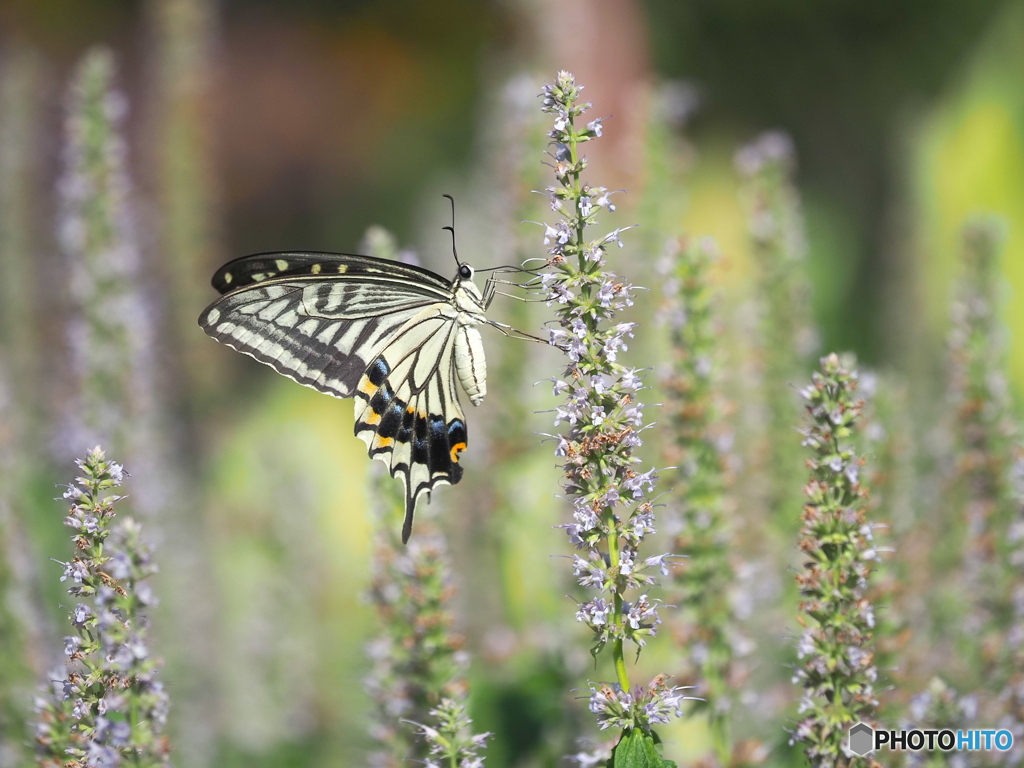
{"points": [[637, 749]]}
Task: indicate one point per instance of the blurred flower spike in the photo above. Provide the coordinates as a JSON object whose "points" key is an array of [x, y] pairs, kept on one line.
{"points": [[602, 421], [106, 708], [836, 665], [452, 743]]}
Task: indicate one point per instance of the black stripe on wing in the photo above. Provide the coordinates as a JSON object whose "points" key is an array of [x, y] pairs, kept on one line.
{"points": [[260, 267]]}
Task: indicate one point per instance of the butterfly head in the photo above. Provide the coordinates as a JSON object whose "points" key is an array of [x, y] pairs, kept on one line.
{"points": [[463, 277], [467, 295]]}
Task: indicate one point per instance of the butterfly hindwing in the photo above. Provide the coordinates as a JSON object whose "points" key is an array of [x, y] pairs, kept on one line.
{"points": [[407, 410]]}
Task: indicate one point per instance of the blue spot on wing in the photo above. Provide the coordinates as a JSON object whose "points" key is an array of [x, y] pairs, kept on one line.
{"points": [[391, 420], [456, 432], [377, 372]]}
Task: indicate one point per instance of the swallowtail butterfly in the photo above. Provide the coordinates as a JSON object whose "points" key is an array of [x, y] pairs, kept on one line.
{"points": [[393, 336]]}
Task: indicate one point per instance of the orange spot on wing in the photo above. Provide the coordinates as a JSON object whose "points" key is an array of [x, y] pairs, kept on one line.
{"points": [[367, 387], [382, 442], [456, 450]]}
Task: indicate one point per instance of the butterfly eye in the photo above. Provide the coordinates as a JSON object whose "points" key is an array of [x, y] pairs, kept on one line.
{"points": [[466, 272]]}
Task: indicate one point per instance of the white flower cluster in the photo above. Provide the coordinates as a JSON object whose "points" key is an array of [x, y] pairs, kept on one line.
{"points": [[639, 707], [600, 408], [600, 414]]}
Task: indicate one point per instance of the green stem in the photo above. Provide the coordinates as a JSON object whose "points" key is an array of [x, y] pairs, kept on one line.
{"points": [[134, 716], [618, 655], [576, 191], [719, 727]]}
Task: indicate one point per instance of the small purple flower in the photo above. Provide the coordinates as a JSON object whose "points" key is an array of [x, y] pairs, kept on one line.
{"points": [[557, 236], [642, 524], [76, 571], [74, 493], [577, 349], [604, 201], [120, 565], [614, 237], [635, 483], [634, 414], [587, 518], [561, 294], [595, 612], [661, 562], [72, 644]]}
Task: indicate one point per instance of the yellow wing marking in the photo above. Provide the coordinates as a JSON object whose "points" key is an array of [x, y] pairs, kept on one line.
{"points": [[367, 387]]}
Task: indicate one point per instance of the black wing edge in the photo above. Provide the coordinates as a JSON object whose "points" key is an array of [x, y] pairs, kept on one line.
{"points": [[259, 267], [444, 443], [410, 510]]}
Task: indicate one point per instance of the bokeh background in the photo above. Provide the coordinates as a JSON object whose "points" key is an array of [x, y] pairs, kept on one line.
{"points": [[262, 125]]}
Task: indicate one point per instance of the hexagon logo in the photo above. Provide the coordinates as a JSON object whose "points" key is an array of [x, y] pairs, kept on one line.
{"points": [[862, 739]]}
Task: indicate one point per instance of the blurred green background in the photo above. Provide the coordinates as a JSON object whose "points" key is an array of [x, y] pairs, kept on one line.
{"points": [[257, 125]]}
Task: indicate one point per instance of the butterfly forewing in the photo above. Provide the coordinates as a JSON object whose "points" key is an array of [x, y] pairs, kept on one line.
{"points": [[305, 330], [383, 332]]}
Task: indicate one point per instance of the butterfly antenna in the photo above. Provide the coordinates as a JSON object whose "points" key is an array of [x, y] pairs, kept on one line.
{"points": [[455, 251]]}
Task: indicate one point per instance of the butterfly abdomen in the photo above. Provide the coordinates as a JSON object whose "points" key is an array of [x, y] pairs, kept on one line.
{"points": [[470, 364]]}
